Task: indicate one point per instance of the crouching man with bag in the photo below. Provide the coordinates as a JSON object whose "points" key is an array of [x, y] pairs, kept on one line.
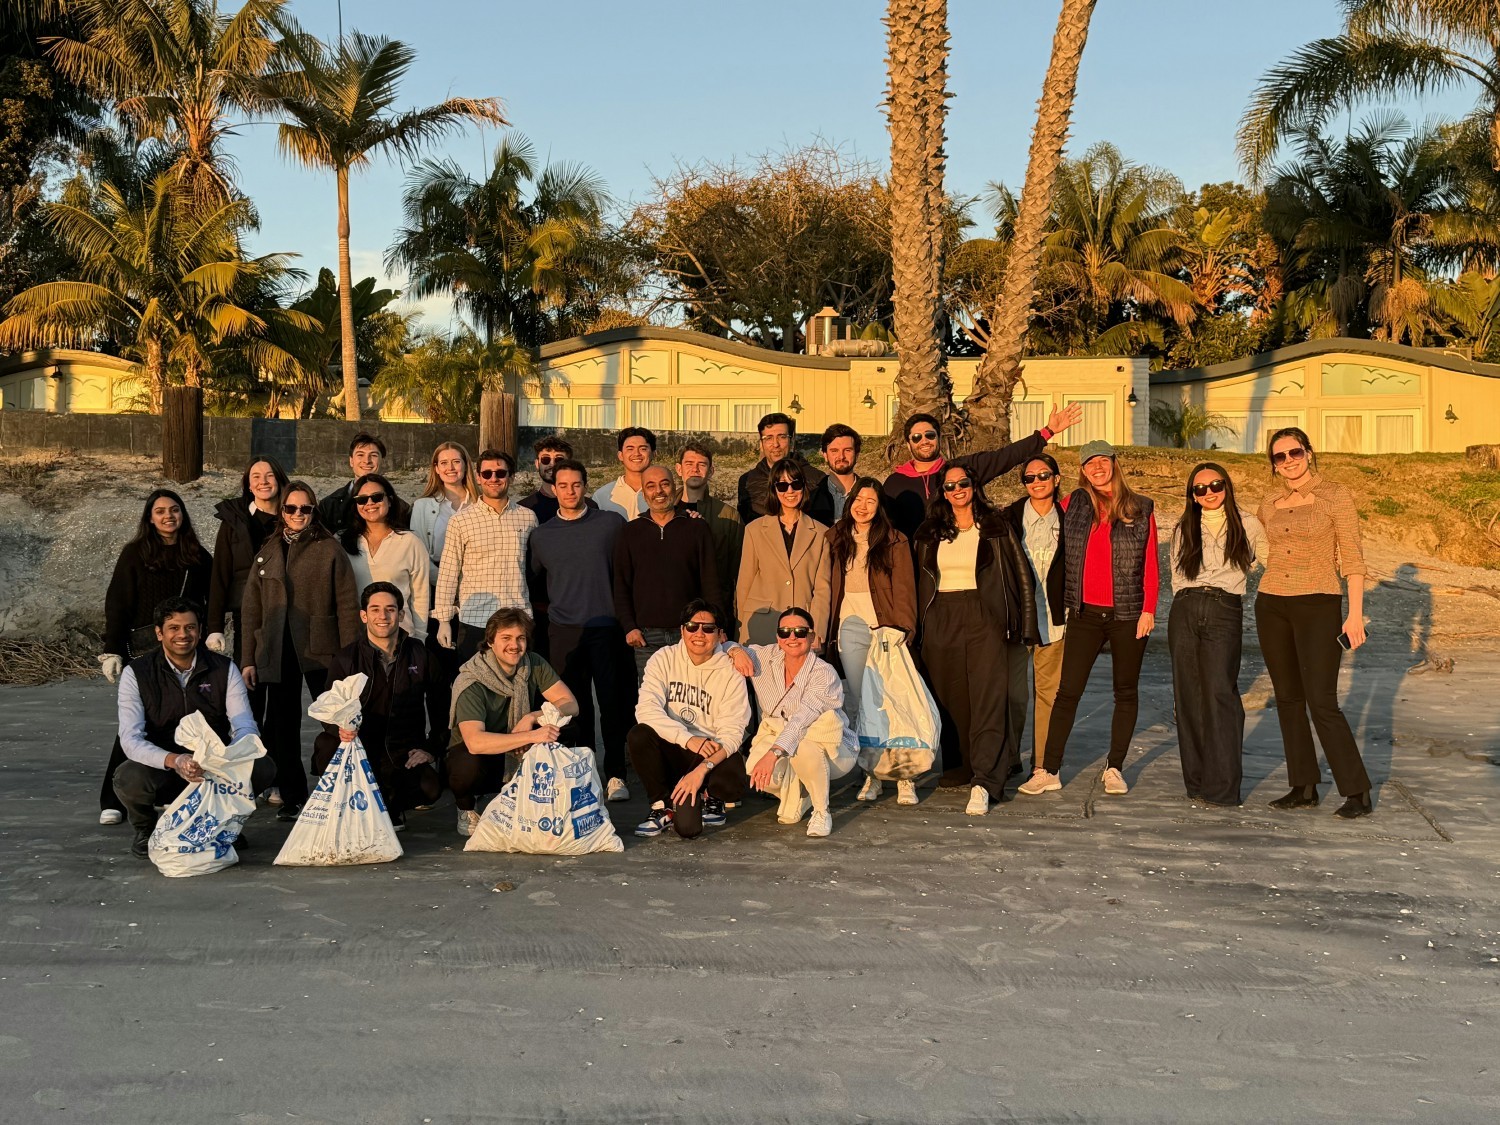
{"points": [[402, 704], [159, 690]]}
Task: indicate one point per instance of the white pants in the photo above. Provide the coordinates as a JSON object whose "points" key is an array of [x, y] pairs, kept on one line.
{"points": [[815, 763]]}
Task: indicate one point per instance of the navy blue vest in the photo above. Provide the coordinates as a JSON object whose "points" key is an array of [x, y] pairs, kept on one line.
{"points": [[167, 702], [1127, 549]]}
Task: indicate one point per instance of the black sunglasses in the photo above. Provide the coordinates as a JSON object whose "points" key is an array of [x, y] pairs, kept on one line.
{"points": [[551, 460], [1044, 476], [791, 485], [798, 631], [955, 485], [493, 474], [1296, 453], [700, 627], [298, 509], [924, 435], [364, 499], [1214, 486]]}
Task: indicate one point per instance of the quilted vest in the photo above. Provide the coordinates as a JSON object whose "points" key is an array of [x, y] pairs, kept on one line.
{"points": [[1127, 548]]}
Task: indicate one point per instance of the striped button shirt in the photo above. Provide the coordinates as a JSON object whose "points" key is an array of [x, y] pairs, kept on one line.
{"points": [[1311, 545], [484, 563], [816, 690]]}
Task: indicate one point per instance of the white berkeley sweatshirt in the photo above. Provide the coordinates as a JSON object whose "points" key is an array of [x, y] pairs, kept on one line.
{"points": [[681, 700]]}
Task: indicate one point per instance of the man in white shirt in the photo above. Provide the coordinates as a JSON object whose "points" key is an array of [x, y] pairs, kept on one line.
{"points": [[637, 446], [690, 722], [159, 690]]}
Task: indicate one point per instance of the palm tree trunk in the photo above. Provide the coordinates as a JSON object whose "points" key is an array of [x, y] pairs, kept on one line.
{"points": [[346, 304], [916, 66], [988, 409]]}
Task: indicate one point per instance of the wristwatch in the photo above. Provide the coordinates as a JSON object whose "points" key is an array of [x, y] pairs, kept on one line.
{"points": [[780, 753]]}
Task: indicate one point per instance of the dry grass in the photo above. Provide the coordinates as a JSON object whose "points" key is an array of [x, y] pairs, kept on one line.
{"points": [[28, 471], [33, 663]]}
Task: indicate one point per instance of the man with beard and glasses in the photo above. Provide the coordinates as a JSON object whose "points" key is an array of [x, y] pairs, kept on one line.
{"points": [[778, 434]]}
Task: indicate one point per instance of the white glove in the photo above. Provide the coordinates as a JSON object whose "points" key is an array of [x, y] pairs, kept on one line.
{"points": [[111, 665], [215, 643], [445, 634]]}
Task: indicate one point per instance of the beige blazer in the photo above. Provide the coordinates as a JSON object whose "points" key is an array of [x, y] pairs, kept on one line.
{"points": [[769, 580]]}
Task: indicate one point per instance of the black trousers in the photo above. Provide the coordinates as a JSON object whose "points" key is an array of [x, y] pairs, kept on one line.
{"points": [[466, 642], [403, 787], [592, 659], [471, 776], [140, 788], [107, 798], [661, 765], [1299, 639], [968, 668], [1089, 629], [1204, 634], [282, 728]]}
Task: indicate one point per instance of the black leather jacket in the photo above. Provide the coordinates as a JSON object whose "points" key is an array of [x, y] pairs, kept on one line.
{"points": [[1005, 583]]}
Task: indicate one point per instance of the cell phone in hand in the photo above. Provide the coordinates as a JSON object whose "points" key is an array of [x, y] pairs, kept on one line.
{"points": [[1344, 641]]}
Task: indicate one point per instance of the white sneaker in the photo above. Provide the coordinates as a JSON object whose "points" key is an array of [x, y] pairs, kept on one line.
{"points": [[870, 790], [820, 823], [468, 820], [979, 801], [616, 790], [110, 816], [1041, 782], [1114, 782], [801, 812], [906, 792], [273, 796]]}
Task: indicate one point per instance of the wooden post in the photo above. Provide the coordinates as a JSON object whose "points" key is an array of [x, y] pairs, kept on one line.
{"points": [[1485, 456], [497, 421], [182, 434]]}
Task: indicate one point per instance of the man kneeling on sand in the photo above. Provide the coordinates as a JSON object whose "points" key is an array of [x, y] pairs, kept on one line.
{"points": [[690, 721], [159, 690]]}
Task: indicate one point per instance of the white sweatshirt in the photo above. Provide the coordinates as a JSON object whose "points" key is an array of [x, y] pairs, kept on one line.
{"points": [[681, 700]]}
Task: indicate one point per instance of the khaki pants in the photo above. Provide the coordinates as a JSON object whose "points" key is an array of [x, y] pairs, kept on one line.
{"points": [[1046, 674], [821, 758]]}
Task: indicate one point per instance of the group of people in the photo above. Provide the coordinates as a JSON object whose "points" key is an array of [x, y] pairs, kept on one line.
{"points": [[726, 646]]}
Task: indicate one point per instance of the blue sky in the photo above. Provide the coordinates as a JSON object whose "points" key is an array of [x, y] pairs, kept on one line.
{"points": [[634, 88]]}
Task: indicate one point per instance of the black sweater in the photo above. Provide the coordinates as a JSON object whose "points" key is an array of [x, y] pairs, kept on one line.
{"points": [[240, 536], [658, 570], [134, 592]]}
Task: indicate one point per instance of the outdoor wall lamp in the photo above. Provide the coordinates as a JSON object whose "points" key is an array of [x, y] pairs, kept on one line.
{"points": [[868, 400], [795, 406], [1133, 400], [1449, 415]]}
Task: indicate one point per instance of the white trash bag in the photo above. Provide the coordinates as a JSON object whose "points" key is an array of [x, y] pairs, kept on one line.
{"points": [[196, 832], [344, 820], [553, 805], [898, 723]]}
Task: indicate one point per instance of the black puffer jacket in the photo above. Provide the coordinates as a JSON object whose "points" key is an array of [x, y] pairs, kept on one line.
{"points": [[1005, 584], [240, 536]]}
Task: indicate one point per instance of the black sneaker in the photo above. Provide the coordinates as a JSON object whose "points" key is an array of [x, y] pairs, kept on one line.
{"points": [[289, 812], [398, 821], [242, 842], [142, 843], [713, 812], [657, 821]]}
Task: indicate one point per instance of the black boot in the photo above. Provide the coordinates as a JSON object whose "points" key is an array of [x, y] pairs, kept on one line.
{"points": [[1355, 806], [141, 844], [1301, 797]]}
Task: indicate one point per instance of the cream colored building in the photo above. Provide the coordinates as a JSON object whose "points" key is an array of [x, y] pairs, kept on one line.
{"points": [[1350, 396], [671, 379], [62, 381]]}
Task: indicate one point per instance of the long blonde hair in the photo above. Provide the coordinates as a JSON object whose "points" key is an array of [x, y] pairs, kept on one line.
{"points": [[435, 486], [1122, 503]]}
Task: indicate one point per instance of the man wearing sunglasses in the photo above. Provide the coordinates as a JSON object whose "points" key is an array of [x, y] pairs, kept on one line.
{"points": [[484, 559], [366, 455], [690, 721], [777, 435], [912, 483], [549, 452]]}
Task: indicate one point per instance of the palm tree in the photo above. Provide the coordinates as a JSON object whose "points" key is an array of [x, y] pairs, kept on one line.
{"points": [[164, 275], [988, 408], [339, 104], [176, 70], [1471, 304], [517, 267], [312, 352], [444, 379], [1387, 47], [916, 66]]}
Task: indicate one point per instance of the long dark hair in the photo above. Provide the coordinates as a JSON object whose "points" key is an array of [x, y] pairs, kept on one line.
{"points": [[1189, 534], [248, 497], [159, 555], [357, 525], [315, 528], [882, 538], [786, 467], [1051, 463], [940, 511]]}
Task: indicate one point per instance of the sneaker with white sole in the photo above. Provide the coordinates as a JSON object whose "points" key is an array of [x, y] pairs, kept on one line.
{"points": [[616, 790], [657, 821], [906, 792], [468, 820], [820, 823], [801, 812], [1041, 782], [713, 812], [1114, 782], [871, 789], [111, 816], [273, 796], [979, 801]]}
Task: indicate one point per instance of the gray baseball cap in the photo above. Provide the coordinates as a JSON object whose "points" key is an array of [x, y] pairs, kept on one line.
{"points": [[1094, 449]]}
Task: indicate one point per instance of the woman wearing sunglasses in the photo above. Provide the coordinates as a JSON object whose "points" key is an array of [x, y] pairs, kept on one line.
{"points": [[804, 741], [784, 561], [975, 609], [873, 587], [381, 549], [1312, 529], [1036, 519], [1214, 548], [301, 606], [1110, 593]]}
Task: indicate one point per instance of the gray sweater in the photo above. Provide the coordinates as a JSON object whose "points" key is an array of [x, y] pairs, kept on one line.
{"points": [[574, 559]]}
